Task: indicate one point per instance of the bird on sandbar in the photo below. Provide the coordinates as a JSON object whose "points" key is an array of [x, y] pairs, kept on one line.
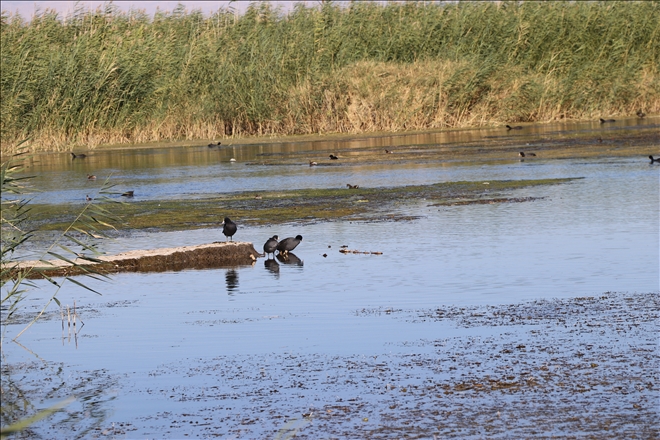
{"points": [[654, 160], [271, 246], [516, 127], [333, 157], [228, 228], [288, 244], [603, 121]]}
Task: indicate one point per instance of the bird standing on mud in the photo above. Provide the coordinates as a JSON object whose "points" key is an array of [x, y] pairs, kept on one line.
{"points": [[228, 228], [271, 246], [288, 244]]}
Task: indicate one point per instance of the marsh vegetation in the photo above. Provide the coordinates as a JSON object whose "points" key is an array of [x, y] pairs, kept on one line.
{"points": [[106, 76]]}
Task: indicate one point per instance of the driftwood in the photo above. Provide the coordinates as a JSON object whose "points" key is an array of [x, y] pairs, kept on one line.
{"points": [[206, 256]]}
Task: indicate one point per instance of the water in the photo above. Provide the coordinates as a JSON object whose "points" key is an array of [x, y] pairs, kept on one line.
{"points": [[596, 234]]}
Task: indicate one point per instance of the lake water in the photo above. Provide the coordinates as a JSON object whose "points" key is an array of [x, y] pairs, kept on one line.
{"points": [[596, 234]]}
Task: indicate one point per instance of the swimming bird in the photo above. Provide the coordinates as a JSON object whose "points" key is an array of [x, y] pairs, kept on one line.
{"points": [[312, 163], [88, 198], [654, 160], [640, 113], [603, 121], [389, 151], [128, 194], [288, 244], [229, 228], [516, 127], [91, 177], [333, 157], [522, 154], [271, 245], [78, 156], [352, 186], [214, 145]]}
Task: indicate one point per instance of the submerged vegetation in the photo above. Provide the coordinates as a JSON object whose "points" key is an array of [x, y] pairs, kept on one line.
{"points": [[98, 77]]}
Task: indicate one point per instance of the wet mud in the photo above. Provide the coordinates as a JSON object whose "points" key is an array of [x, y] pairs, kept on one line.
{"points": [[571, 368]]}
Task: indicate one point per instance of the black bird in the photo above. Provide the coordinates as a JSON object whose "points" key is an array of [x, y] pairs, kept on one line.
{"points": [[78, 156], [271, 245], [229, 228], [654, 160], [603, 121], [517, 127], [522, 154], [288, 244], [352, 186], [333, 157], [214, 145], [128, 194], [640, 114]]}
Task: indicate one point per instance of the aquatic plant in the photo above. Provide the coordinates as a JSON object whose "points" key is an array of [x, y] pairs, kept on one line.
{"points": [[105, 76]]}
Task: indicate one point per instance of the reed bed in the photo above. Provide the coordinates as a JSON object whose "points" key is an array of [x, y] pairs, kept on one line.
{"points": [[106, 76]]}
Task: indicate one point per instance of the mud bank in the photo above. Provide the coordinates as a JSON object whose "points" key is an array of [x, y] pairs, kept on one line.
{"points": [[214, 255]]}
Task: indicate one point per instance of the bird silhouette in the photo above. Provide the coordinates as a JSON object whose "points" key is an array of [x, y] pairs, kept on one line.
{"points": [[603, 121], [333, 157], [516, 127], [352, 186], [128, 194], [288, 244], [78, 156], [654, 160], [271, 245], [229, 228]]}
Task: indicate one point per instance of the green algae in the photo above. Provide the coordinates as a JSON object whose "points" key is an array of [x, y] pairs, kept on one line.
{"points": [[293, 206]]}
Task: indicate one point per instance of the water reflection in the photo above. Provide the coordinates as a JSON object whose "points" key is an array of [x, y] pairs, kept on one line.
{"points": [[231, 278], [273, 267], [289, 258]]}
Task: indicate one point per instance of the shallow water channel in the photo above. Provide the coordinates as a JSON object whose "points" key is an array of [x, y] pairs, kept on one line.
{"points": [[265, 351]]}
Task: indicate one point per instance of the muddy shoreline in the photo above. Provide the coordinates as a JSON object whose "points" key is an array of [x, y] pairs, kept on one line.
{"points": [[570, 368]]}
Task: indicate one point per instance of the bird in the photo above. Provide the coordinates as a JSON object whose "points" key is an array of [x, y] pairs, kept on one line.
{"points": [[288, 244], [271, 245], [229, 228], [128, 194], [88, 198], [516, 127], [78, 156], [603, 121], [389, 151], [232, 160], [640, 113], [333, 157], [352, 186], [312, 163], [211, 145], [522, 154], [654, 160], [91, 177]]}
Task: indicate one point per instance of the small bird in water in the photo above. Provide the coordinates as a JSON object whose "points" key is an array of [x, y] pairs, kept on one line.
{"points": [[352, 186], [312, 163], [228, 228], [516, 127], [271, 245], [603, 121], [654, 160], [288, 244], [91, 177], [522, 154], [88, 198], [389, 151], [128, 194], [640, 113], [333, 157], [232, 160], [78, 156], [211, 145]]}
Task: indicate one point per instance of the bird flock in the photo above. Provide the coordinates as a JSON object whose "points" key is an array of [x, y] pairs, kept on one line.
{"points": [[273, 244]]}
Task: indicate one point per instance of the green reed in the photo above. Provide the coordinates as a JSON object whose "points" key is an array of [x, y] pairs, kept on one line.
{"points": [[105, 76]]}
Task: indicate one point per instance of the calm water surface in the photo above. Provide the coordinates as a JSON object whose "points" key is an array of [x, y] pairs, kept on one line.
{"points": [[596, 234]]}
